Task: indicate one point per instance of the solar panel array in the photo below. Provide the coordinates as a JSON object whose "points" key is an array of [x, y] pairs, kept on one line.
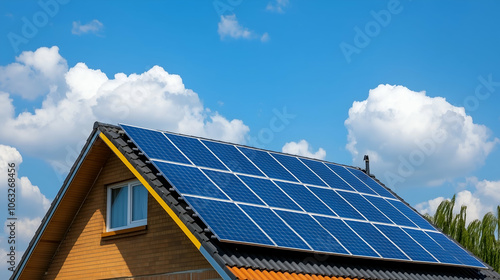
{"points": [[250, 196]]}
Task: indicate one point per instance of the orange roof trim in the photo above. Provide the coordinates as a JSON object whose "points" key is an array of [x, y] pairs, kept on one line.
{"points": [[256, 274]]}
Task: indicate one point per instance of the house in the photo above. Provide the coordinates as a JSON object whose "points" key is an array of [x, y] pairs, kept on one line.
{"points": [[137, 206]]}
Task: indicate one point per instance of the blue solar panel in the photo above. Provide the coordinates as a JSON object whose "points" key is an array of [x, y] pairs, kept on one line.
{"points": [[352, 180], [412, 215], [347, 237], [455, 250], [196, 152], [270, 193], [272, 199], [312, 232], [301, 195], [232, 158], [154, 144], [364, 207], [327, 175], [189, 180], [337, 203], [299, 169], [279, 232], [371, 183], [405, 243], [267, 164], [431, 246], [390, 211], [228, 221], [378, 242], [233, 187]]}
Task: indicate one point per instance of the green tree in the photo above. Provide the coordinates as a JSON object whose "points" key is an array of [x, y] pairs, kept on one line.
{"points": [[481, 237]]}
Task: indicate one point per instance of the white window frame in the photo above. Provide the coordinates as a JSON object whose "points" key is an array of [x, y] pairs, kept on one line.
{"points": [[130, 223]]}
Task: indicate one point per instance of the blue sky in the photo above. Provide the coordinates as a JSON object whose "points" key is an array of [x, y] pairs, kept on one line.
{"points": [[411, 83]]}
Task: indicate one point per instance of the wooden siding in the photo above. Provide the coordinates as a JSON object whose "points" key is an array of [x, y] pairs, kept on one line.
{"points": [[159, 250]]}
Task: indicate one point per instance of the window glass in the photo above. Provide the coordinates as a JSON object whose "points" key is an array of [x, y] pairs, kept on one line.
{"points": [[139, 203], [119, 200], [127, 206]]}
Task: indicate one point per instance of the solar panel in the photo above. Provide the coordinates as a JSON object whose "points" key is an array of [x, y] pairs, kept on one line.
{"points": [[378, 241], [346, 236], [189, 180], [390, 211], [280, 233], [228, 221], [299, 170], [352, 180], [233, 187], [455, 250], [267, 164], [270, 193], [312, 232], [306, 199], [233, 159], [339, 205], [196, 151], [371, 183], [250, 196], [412, 215], [154, 144], [406, 243], [364, 207], [332, 179], [431, 246]]}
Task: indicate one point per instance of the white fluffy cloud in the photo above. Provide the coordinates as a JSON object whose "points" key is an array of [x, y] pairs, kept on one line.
{"points": [[57, 130], [413, 138], [302, 148], [277, 6], [480, 197], [34, 73], [230, 27], [93, 26]]}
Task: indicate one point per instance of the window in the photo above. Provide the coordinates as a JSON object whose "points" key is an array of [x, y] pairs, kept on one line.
{"points": [[127, 206]]}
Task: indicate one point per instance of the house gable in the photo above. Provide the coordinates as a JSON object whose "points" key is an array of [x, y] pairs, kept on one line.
{"points": [[159, 249], [72, 230]]}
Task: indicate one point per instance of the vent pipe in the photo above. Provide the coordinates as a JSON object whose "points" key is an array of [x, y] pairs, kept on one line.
{"points": [[367, 165]]}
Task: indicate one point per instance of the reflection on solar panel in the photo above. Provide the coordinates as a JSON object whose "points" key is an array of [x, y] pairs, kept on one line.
{"points": [[251, 196]]}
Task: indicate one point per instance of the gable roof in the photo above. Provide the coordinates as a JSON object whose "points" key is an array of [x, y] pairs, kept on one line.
{"points": [[231, 260]]}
